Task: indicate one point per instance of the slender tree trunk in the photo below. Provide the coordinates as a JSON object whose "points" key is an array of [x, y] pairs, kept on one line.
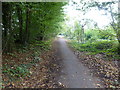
{"points": [[117, 29], [27, 25], [5, 18], [10, 30], [83, 34], [5, 24], [19, 11], [78, 36]]}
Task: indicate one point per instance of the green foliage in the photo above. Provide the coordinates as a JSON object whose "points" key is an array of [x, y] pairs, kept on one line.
{"points": [[69, 34], [103, 44], [43, 45], [15, 72], [12, 54], [92, 35], [108, 47], [36, 59], [107, 34], [25, 22], [36, 54], [96, 34]]}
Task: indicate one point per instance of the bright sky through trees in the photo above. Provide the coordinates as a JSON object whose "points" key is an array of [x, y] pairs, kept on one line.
{"points": [[101, 17]]}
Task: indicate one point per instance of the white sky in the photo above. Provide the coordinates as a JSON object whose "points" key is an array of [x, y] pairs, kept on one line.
{"points": [[94, 14]]}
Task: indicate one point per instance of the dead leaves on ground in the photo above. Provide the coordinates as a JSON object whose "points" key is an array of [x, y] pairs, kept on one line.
{"points": [[42, 74], [106, 70]]}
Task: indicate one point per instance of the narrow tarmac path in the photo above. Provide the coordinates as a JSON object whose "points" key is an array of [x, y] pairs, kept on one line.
{"points": [[73, 74]]}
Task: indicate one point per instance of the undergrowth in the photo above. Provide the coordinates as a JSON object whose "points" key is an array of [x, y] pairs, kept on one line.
{"points": [[103, 47], [17, 71]]}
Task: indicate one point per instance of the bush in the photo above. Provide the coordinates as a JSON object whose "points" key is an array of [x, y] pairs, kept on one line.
{"points": [[91, 35], [43, 45], [96, 47], [102, 44]]}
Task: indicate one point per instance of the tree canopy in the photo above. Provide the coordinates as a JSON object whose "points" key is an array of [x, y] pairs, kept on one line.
{"points": [[24, 22]]}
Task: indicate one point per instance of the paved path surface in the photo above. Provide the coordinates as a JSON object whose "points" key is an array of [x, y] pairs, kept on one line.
{"points": [[74, 74]]}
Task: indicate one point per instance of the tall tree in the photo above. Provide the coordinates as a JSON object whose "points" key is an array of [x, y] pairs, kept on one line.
{"points": [[24, 22], [20, 18]]}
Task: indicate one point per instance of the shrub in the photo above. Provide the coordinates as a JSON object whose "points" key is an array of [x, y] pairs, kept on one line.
{"points": [[102, 44], [96, 47]]}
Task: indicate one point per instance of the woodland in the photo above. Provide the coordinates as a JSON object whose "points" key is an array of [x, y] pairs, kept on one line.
{"points": [[29, 30]]}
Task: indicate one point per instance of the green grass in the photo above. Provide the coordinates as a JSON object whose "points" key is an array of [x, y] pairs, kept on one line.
{"points": [[107, 47]]}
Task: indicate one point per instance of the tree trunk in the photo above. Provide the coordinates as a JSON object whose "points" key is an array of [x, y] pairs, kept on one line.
{"points": [[7, 17], [82, 34], [117, 29], [10, 30], [19, 11], [27, 25]]}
